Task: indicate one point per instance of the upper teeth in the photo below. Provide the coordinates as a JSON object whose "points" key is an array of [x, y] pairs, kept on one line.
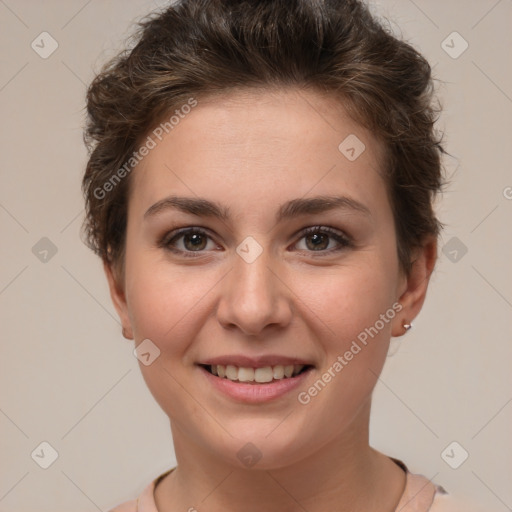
{"points": [[265, 374]]}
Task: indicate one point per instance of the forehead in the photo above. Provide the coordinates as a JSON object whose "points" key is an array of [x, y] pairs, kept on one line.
{"points": [[259, 141]]}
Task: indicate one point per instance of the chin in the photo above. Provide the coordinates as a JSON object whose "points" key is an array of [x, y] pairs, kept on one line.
{"points": [[260, 446]]}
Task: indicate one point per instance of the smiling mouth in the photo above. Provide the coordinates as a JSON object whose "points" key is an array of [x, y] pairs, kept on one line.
{"points": [[264, 375]]}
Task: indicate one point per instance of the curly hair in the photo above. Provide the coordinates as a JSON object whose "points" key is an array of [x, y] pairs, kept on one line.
{"points": [[199, 48]]}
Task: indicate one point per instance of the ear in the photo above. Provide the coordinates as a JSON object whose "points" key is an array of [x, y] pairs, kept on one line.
{"points": [[118, 299], [413, 288]]}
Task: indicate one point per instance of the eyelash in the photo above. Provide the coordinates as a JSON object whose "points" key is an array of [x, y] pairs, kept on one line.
{"points": [[167, 240]]}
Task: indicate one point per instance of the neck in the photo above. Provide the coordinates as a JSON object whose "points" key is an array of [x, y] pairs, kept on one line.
{"points": [[346, 474]]}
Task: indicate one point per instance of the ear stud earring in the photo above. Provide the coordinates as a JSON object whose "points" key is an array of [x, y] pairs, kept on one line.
{"points": [[406, 326]]}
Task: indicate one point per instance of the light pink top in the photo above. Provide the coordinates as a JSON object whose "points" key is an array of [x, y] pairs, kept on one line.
{"points": [[420, 495]]}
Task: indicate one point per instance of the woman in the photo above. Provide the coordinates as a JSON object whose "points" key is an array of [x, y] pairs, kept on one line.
{"points": [[260, 190]]}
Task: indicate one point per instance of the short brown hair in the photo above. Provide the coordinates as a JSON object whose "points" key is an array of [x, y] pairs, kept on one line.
{"points": [[196, 48]]}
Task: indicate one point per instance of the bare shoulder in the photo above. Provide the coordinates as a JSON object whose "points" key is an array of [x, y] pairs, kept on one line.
{"points": [[453, 503], [127, 506]]}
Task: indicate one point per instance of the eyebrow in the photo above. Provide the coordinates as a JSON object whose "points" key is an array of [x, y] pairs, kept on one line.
{"points": [[294, 208]]}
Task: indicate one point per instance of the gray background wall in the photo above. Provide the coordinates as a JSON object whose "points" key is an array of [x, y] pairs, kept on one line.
{"points": [[68, 378]]}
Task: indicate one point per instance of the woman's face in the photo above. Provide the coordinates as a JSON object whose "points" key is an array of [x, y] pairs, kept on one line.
{"points": [[247, 287]]}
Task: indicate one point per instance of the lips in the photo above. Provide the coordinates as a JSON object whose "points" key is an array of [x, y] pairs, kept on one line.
{"points": [[259, 390]]}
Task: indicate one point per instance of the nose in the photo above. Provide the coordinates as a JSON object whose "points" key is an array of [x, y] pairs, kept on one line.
{"points": [[254, 296]]}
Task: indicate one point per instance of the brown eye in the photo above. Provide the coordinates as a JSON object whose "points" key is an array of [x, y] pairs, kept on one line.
{"points": [[194, 242], [318, 239], [187, 241]]}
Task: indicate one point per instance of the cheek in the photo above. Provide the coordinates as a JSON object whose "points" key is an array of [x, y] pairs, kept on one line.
{"points": [[349, 299], [162, 302], [166, 307], [355, 310], [354, 327]]}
